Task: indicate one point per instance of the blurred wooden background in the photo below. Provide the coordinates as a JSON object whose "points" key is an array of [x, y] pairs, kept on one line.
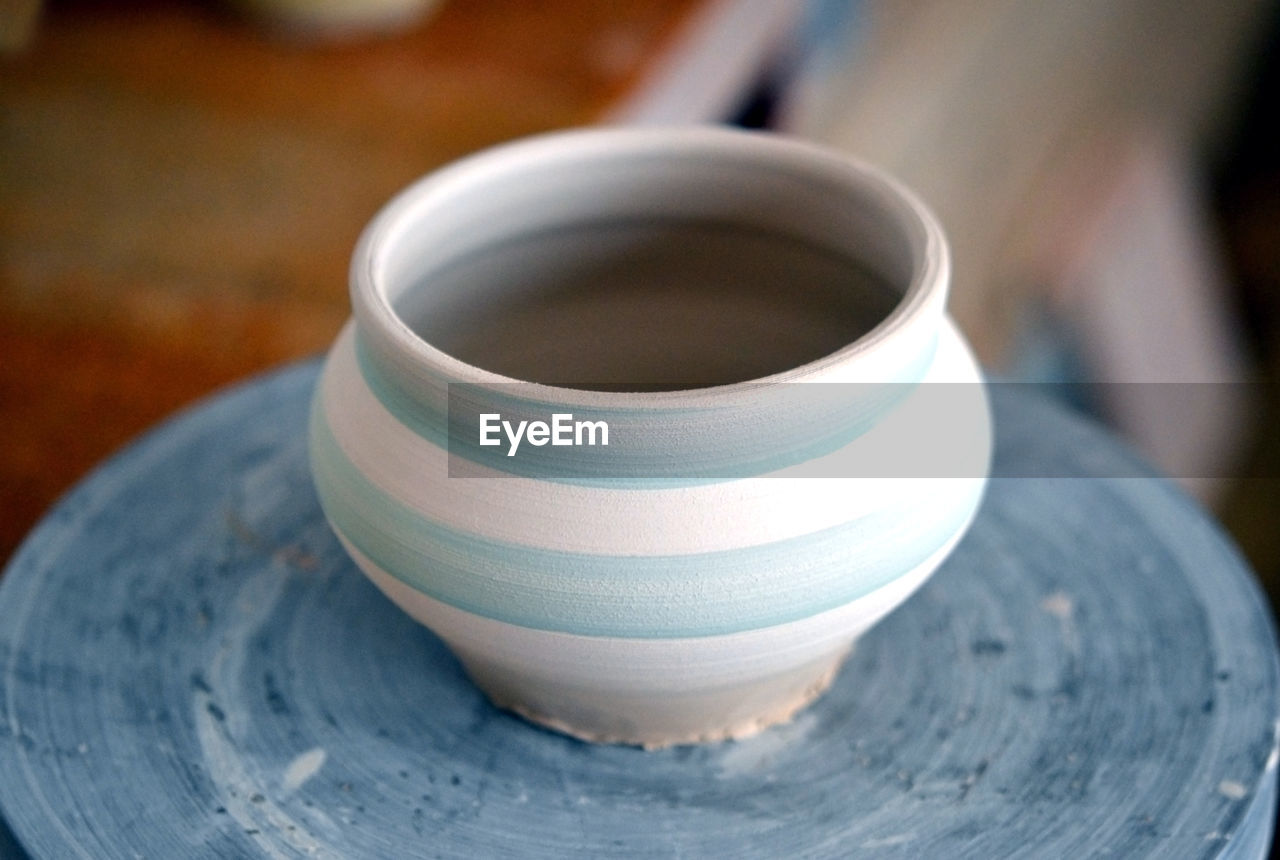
{"points": [[180, 191]]}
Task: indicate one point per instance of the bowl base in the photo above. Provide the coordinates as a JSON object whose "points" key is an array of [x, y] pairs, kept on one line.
{"points": [[659, 719]]}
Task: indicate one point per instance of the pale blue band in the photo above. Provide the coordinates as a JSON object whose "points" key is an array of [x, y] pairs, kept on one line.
{"points": [[786, 424], [694, 595]]}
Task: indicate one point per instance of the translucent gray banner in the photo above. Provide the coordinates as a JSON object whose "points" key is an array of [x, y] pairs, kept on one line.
{"points": [[837, 430]]}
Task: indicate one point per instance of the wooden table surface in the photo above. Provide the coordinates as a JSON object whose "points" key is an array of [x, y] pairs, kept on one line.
{"points": [[180, 191]]}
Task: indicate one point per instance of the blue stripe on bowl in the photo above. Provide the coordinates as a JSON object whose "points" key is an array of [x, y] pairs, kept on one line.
{"points": [[700, 594], [786, 424]]}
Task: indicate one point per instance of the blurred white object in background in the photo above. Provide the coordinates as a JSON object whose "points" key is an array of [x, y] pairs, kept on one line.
{"points": [[1060, 143], [336, 19], [973, 103], [1131, 266], [713, 64]]}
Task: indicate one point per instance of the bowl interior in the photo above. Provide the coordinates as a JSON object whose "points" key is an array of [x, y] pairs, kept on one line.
{"points": [[620, 268]]}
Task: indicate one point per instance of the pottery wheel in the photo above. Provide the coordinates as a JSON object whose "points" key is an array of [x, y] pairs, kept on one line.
{"points": [[190, 667]]}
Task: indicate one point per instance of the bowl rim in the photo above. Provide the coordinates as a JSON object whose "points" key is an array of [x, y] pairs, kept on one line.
{"points": [[915, 318]]}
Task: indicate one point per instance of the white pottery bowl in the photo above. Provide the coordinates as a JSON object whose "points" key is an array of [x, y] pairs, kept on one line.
{"points": [[705, 575]]}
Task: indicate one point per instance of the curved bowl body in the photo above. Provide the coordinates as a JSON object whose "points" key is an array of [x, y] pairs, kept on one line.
{"points": [[705, 576]]}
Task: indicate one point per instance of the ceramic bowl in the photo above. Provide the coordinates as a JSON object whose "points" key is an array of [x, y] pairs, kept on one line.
{"points": [[760, 323]]}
